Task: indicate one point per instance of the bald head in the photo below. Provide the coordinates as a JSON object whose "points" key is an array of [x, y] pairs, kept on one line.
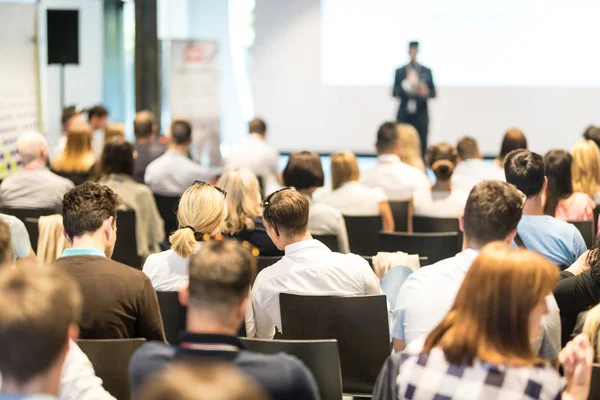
{"points": [[144, 125], [32, 146]]}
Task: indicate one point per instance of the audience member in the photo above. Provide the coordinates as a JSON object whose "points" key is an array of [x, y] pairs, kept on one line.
{"points": [[115, 129], [441, 200], [7, 253], [591, 329], [255, 154], [34, 186], [304, 173], [398, 179], [513, 139], [350, 197], [561, 201], [586, 168], [492, 212], [212, 381], [118, 301], [308, 266], [220, 274], [202, 210], [72, 116], [98, 122], [557, 240], [592, 133], [146, 146], [18, 238], [77, 162], [244, 210], [173, 172], [116, 171], [472, 168], [481, 349], [39, 312], [410, 146]]}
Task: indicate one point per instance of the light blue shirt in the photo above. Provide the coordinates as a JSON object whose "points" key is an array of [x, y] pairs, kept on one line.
{"points": [[558, 241], [427, 295], [173, 172], [82, 252], [18, 233]]}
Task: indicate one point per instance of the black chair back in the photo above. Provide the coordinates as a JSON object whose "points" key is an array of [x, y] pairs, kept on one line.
{"points": [[110, 358], [400, 212], [173, 315], [434, 225], [263, 262], [29, 217], [126, 247], [360, 325], [321, 357], [586, 228], [434, 246], [595, 383], [330, 241], [362, 234], [167, 208]]}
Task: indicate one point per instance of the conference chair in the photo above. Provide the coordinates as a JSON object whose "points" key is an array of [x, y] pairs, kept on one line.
{"points": [[430, 224], [330, 241], [595, 383], [586, 228], [434, 246], [126, 246], [321, 357], [263, 262], [362, 234], [359, 323], [110, 358], [173, 315], [400, 211], [29, 217], [167, 208]]}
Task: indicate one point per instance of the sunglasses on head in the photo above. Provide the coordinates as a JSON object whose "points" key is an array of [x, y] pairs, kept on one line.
{"points": [[267, 204], [208, 184]]}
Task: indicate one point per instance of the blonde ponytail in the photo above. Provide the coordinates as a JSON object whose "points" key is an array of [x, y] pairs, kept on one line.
{"points": [[183, 242], [591, 327]]}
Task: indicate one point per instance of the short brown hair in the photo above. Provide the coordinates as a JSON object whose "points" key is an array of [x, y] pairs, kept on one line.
{"points": [[468, 148], [344, 168], [143, 124], [85, 207], [181, 131], [6, 249], [220, 275], [489, 320], [117, 157], [493, 210], [304, 171], [387, 137], [514, 139], [442, 159], [208, 381], [287, 211], [37, 306], [257, 125]]}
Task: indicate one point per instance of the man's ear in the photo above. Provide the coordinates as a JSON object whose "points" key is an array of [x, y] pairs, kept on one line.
{"points": [[461, 221], [67, 238], [73, 332], [109, 226], [184, 295]]}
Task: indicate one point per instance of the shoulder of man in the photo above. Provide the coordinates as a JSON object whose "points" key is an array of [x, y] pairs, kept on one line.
{"points": [[148, 360]]}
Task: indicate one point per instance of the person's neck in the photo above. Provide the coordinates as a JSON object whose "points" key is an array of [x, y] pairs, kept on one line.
{"points": [[387, 153], [144, 140], [258, 135], [181, 148], [288, 240], [89, 241], [46, 383], [533, 205], [308, 192], [35, 164], [469, 243], [442, 186], [204, 322]]}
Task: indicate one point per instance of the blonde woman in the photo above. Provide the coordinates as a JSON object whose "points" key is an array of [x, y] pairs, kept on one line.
{"points": [[353, 198], [77, 161], [244, 210], [586, 168], [410, 146], [201, 213]]}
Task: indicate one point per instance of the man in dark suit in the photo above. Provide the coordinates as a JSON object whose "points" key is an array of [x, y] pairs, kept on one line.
{"points": [[413, 86]]}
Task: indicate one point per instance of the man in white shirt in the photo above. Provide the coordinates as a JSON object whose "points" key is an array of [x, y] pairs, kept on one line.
{"points": [[472, 168], [492, 213], [397, 179], [173, 172], [34, 186], [308, 266], [255, 153]]}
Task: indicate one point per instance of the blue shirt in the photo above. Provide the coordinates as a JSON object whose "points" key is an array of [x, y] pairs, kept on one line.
{"points": [[427, 295], [19, 236], [173, 172], [82, 252], [558, 241]]}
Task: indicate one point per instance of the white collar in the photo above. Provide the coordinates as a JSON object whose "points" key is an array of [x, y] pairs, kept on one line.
{"points": [[388, 159], [302, 245]]}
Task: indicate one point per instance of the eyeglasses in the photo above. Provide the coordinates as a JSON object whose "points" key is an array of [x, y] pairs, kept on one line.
{"points": [[267, 205], [208, 184]]}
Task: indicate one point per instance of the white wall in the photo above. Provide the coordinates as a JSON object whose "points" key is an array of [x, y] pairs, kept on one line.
{"points": [[84, 82], [305, 114]]}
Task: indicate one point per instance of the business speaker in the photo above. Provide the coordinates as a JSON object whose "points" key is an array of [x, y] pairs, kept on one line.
{"points": [[63, 36]]}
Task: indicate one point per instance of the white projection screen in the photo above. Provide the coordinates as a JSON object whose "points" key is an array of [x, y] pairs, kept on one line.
{"points": [[323, 69]]}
